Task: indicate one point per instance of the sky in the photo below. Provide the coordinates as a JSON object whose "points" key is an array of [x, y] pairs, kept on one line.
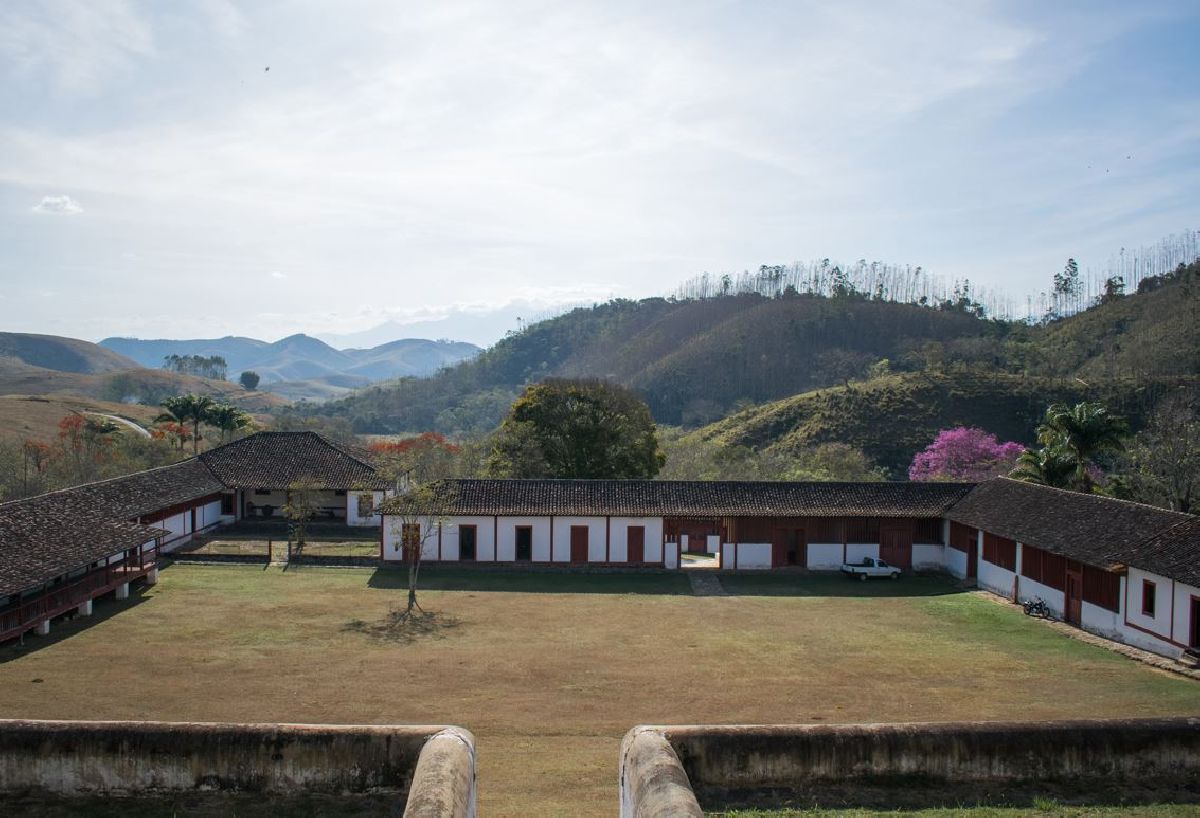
{"points": [[204, 168]]}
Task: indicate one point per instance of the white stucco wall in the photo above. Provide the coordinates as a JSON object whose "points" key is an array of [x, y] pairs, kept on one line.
{"points": [[857, 552], [824, 556], [671, 555], [753, 555], [485, 541], [954, 562], [927, 557], [1183, 611], [1160, 623], [654, 545], [1056, 600], [208, 515], [562, 538], [352, 515], [1100, 621], [540, 537], [391, 540], [996, 579], [619, 529]]}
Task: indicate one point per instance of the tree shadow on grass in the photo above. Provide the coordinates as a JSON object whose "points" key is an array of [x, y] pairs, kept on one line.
{"points": [[396, 627], [68, 625], [489, 577], [832, 584]]}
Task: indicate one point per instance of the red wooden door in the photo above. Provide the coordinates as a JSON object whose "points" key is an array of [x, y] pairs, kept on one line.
{"points": [[779, 548], [973, 561], [579, 543], [636, 544], [895, 546], [1074, 592]]}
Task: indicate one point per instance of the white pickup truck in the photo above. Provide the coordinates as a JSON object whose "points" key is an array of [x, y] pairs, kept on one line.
{"points": [[870, 567]]}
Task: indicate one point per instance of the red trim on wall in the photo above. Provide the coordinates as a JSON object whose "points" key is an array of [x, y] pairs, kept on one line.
{"points": [[1155, 634], [1172, 628]]}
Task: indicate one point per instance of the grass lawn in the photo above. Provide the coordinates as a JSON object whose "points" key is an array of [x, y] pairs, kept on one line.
{"points": [[1049, 810], [549, 681], [261, 548]]}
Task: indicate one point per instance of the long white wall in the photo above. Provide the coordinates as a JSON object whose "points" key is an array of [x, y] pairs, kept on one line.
{"points": [[954, 562], [825, 556], [496, 539]]}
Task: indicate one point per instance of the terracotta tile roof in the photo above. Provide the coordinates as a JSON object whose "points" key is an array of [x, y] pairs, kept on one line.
{"points": [[49, 535], [275, 460], [1173, 553], [1098, 530], [142, 493], [654, 498]]}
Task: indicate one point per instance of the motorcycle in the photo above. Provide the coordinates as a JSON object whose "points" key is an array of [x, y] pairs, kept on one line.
{"points": [[1037, 607]]}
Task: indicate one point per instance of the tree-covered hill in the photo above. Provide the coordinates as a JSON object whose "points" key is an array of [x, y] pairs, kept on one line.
{"points": [[696, 360], [892, 418], [692, 360]]}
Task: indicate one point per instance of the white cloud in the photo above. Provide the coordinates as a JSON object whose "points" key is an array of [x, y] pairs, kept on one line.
{"points": [[57, 205], [278, 275]]}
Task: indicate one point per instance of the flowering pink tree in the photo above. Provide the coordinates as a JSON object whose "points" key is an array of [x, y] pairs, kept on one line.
{"points": [[966, 454]]}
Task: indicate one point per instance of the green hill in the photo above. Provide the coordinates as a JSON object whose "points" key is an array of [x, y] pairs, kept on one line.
{"points": [[695, 361], [894, 417], [692, 360]]}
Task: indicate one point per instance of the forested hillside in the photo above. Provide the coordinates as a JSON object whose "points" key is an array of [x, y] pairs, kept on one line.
{"points": [[892, 418], [696, 360], [691, 360]]}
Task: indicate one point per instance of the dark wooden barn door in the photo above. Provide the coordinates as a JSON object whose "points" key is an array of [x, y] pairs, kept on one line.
{"points": [[895, 546], [579, 543], [788, 548], [1194, 639], [1074, 592], [636, 544], [524, 543], [466, 543], [973, 560]]}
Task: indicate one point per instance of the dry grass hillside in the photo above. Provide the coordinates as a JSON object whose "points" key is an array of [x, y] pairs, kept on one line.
{"points": [[61, 354], [36, 417]]}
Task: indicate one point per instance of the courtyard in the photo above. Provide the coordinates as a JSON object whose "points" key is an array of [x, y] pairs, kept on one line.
{"points": [[549, 670]]}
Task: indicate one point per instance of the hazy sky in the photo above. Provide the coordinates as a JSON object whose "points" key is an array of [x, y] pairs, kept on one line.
{"points": [[404, 160]]}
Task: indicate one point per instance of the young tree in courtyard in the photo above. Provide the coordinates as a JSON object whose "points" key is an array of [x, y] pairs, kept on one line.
{"points": [[301, 507], [415, 516], [577, 429], [964, 453]]}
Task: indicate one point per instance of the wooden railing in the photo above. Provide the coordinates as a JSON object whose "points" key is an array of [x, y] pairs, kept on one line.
{"points": [[61, 598]]}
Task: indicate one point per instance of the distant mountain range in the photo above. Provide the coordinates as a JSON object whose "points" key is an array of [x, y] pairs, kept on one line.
{"points": [[302, 358]]}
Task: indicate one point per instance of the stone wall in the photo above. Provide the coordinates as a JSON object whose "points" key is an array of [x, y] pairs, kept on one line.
{"points": [[433, 768], [910, 765]]}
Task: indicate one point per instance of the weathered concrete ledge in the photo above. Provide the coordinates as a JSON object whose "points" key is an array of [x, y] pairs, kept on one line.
{"points": [[894, 765], [73, 758]]}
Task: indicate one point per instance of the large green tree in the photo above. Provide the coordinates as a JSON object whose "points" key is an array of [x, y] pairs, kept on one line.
{"points": [[577, 429]]}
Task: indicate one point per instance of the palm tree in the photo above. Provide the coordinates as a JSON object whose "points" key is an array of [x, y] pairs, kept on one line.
{"points": [[1047, 466], [186, 409], [229, 419], [1082, 433]]}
